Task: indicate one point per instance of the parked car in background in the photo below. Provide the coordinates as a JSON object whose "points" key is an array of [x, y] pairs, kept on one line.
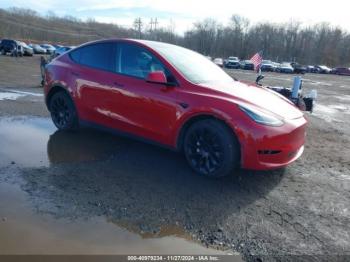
{"points": [[285, 68], [61, 50], [311, 69], [183, 101], [341, 71], [246, 65], [275, 65], [267, 65], [298, 68], [322, 69], [49, 48], [27, 50], [219, 62], [209, 58], [38, 49], [232, 62], [57, 46], [8, 46]]}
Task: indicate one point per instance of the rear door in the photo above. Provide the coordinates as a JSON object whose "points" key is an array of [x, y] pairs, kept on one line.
{"points": [[92, 75]]}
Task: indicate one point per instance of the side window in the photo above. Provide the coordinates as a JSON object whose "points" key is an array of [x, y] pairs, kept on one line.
{"points": [[136, 61], [75, 55], [98, 56]]}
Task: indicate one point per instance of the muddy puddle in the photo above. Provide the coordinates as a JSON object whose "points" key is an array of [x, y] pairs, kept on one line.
{"points": [[34, 144]]}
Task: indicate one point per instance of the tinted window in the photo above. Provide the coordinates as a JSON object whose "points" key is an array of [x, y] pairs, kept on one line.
{"points": [[75, 55], [136, 61], [97, 56], [8, 42]]}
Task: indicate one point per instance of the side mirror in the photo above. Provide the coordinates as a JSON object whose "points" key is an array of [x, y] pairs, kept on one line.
{"points": [[157, 77]]}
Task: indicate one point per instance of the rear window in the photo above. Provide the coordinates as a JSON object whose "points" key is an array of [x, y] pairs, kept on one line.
{"points": [[8, 42], [98, 56]]}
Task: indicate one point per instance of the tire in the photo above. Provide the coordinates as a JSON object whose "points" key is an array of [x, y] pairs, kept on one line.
{"points": [[63, 112], [211, 148]]}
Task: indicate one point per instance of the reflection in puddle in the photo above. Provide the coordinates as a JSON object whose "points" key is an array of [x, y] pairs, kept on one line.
{"points": [[23, 141], [35, 142], [82, 145], [24, 232]]}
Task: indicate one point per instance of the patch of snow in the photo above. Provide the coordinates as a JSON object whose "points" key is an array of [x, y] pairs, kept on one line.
{"points": [[10, 96], [15, 94]]}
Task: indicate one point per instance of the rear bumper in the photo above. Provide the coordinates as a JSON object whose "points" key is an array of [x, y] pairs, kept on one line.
{"points": [[275, 147]]}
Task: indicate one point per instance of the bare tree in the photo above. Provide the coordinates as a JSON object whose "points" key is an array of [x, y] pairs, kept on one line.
{"points": [[321, 43]]}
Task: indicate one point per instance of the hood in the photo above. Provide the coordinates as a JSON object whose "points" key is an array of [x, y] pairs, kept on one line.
{"points": [[260, 97]]}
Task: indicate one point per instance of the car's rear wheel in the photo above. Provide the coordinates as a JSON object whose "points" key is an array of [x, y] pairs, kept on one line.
{"points": [[211, 148], [63, 112]]}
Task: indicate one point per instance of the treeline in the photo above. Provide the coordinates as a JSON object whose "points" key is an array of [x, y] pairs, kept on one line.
{"points": [[317, 44]]}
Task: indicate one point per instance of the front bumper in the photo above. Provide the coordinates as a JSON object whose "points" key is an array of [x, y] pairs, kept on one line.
{"points": [[274, 147]]}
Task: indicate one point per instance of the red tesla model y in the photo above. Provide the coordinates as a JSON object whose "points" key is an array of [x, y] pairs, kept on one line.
{"points": [[177, 98]]}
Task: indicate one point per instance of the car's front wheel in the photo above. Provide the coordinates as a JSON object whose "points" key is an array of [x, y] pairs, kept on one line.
{"points": [[211, 148], [63, 112]]}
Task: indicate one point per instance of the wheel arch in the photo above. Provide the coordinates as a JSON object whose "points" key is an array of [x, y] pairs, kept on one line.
{"points": [[193, 119], [53, 90]]}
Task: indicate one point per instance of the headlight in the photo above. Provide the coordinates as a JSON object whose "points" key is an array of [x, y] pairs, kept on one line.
{"points": [[261, 117]]}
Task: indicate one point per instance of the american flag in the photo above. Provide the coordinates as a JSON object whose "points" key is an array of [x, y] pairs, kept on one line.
{"points": [[256, 60]]}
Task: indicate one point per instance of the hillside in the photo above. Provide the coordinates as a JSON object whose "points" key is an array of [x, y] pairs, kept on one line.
{"points": [[320, 43], [28, 25]]}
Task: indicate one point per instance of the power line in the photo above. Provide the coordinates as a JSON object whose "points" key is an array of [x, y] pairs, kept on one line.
{"points": [[138, 26]]}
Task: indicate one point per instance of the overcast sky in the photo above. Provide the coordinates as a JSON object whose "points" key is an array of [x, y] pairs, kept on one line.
{"points": [[183, 13]]}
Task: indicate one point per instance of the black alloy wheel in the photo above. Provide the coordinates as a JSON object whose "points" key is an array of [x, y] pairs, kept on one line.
{"points": [[63, 111], [211, 148]]}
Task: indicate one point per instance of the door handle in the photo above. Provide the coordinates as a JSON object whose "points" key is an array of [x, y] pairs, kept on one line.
{"points": [[74, 73]]}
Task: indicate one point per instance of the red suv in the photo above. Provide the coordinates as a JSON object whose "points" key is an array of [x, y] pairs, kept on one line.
{"points": [[177, 98]]}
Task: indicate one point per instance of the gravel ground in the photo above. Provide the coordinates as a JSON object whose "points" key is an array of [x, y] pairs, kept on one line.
{"points": [[300, 213]]}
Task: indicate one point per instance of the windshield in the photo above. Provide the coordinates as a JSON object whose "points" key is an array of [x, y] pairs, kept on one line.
{"points": [[24, 44], [192, 65]]}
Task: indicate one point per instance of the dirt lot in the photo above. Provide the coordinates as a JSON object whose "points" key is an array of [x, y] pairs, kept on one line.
{"points": [[55, 183]]}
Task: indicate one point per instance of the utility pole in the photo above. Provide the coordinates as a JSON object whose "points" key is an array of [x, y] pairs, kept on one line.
{"points": [[155, 24], [138, 26], [151, 23]]}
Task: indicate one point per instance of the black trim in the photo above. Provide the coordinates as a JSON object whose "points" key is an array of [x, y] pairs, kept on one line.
{"points": [[168, 84], [89, 124]]}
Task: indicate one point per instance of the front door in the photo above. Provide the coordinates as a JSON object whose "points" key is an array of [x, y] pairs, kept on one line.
{"points": [[146, 109]]}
